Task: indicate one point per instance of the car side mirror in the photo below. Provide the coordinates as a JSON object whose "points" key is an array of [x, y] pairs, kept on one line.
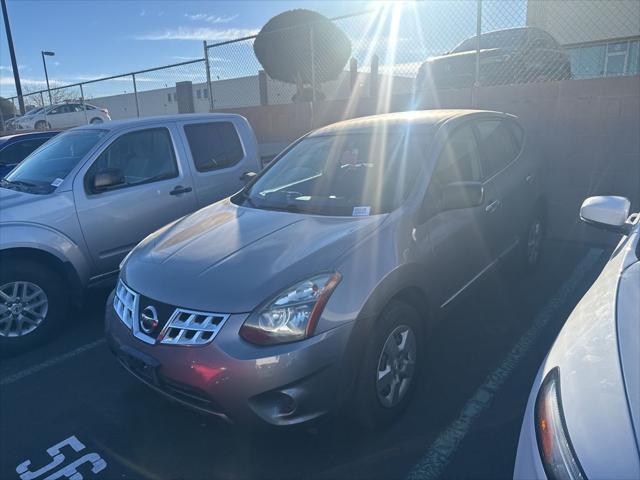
{"points": [[106, 179], [462, 195], [609, 213]]}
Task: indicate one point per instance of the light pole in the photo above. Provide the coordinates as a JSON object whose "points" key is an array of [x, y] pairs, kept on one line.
{"points": [[12, 54], [46, 75]]}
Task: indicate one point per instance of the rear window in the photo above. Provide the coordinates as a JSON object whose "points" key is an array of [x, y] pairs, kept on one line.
{"points": [[498, 146], [213, 145], [16, 152]]}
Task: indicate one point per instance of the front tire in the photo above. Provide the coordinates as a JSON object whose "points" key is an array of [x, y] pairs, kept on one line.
{"points": [[33, 303], [96, 121], [389, 370]]}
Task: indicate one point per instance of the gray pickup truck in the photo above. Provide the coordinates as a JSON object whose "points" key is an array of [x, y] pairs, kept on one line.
{"points": [[71, 212]]}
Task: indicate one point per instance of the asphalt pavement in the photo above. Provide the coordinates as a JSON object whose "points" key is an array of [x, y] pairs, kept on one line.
{"points": [[69, 410]]}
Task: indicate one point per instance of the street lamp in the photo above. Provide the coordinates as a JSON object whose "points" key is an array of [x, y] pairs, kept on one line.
{"points": [[46, 75]]}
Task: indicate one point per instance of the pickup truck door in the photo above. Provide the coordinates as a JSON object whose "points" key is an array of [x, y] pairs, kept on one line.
{"points": [[218, 158], [155, 189]]}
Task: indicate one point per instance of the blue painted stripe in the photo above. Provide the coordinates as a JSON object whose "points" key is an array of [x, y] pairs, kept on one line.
{"points": [[436, 459]]}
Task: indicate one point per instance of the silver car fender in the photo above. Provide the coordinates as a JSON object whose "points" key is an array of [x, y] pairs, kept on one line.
{"points": [[20, 237]]}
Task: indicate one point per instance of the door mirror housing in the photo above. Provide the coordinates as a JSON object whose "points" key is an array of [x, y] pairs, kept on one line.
{"points": [[105, 179], [462, 195], [609, 213]]}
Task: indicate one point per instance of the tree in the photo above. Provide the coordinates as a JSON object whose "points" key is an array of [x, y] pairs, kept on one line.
{"points": [[300, 46], [7, 111], [33, 98]]}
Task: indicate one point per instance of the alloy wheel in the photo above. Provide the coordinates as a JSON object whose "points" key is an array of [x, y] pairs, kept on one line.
{"points": [[23, 307], [396, 366]]}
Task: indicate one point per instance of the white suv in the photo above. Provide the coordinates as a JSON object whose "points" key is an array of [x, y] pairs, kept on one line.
{"points": [[66, 115]]}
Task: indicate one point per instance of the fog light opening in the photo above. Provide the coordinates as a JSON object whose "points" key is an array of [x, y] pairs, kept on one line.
{"points": [[284, 404]]}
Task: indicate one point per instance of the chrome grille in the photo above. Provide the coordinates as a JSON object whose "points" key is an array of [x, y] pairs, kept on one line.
{"points": [[125, 302], [188, 327], [184, 327]]}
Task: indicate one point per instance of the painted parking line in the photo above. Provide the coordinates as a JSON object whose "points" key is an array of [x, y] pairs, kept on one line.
{"points": [[27, 372], [436, 459]]}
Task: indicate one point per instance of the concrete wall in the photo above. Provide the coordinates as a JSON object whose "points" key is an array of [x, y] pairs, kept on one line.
{"points": [[597, 19], [587, 133]]}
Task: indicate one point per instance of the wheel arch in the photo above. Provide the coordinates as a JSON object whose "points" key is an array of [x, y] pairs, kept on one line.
{"points": [[404, 285], [63, 267]]}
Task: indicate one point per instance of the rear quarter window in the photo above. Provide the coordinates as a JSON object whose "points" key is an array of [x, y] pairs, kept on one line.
{"points": [[214, 145]]}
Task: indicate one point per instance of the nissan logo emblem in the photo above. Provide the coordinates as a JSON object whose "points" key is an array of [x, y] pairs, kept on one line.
{"points": [[149, 319]]}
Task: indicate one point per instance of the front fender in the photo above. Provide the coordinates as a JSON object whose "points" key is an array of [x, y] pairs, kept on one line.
{"points": [[25, 235]]}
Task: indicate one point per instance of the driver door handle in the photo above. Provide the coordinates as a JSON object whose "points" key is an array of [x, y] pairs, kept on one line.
{"points": [[179, 190], [492, 207]]}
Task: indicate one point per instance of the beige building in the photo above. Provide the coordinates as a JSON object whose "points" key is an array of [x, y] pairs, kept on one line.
{"points": [[602, 36]]}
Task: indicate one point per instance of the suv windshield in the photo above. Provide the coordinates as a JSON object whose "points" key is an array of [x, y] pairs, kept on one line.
{"points": [[44, 169], [498, 39], [345, 175]]}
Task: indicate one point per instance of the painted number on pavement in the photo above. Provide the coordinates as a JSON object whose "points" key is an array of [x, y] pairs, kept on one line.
{"points": [[69, 471]]}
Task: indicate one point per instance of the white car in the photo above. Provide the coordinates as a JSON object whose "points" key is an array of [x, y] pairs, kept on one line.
{"points": [[65, 115], [583, 415]]}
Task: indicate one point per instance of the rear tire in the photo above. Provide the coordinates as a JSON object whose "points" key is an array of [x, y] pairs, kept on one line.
{"points": [[34, 302], [96, 121], [390, 367]]}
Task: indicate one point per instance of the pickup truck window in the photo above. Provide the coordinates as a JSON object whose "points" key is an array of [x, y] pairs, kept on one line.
{"points": [[142, 156], [214, 145], [40, 172]]}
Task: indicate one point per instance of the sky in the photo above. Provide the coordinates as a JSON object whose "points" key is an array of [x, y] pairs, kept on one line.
{"points": [[97, 38]]}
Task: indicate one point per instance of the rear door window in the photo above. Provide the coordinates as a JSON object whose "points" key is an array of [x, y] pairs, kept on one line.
{"points": [[458, 161], [16, 152], [142, 156], [497, 144], [213, 145]]}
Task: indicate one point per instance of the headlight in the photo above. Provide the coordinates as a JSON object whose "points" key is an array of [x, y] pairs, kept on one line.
{"points": [[293, 314], [557, 453]]}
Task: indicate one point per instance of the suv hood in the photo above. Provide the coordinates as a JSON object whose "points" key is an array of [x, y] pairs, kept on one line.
{"points": [[229, 259]]}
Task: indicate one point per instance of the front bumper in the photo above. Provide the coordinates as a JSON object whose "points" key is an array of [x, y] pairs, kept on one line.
{"points": [[230, 378]]}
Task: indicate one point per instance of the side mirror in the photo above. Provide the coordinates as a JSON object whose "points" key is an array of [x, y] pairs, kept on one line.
{"points": [[462, 195], [246, 177], [609, 213], [106, 179]]}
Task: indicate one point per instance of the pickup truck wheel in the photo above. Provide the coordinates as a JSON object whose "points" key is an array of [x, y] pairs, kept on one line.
{"points": [[33, 302], [389, 370]]}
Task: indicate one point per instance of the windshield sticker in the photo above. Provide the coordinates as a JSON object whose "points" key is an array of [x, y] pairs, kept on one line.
{"points": [[361, 211], [57, 182]]}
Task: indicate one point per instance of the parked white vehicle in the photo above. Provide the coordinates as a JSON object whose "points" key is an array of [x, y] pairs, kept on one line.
{"points": [[65, 115], [583, 415]]}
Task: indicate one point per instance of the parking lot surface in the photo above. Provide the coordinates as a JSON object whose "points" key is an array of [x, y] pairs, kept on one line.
{"points": [[464, 420]]}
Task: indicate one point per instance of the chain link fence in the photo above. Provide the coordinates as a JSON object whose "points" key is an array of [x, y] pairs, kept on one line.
{"points": [[418, 48]]}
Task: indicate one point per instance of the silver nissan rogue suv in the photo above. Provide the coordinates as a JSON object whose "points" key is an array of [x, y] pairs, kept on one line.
{"points": [[315, 287]]}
